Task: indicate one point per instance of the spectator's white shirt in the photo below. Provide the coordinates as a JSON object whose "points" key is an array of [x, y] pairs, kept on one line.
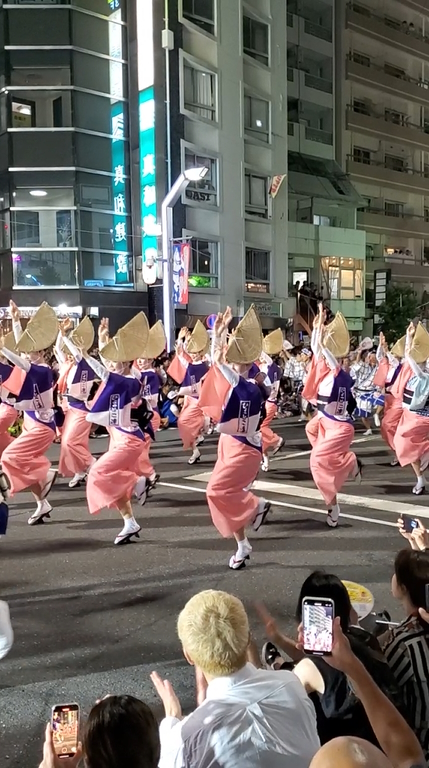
{"points": [[363, 373], [6, 631], [252, 719], [295, 369]]}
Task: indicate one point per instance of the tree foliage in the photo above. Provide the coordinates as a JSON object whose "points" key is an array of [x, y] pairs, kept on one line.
{"points": [[401, 306]]}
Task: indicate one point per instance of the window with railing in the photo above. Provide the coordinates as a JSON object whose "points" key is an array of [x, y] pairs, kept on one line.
{"points": [[256, 188], [361, 58], [393, 71], [361, 155], [256, 39], [199, 91], [257, 117], [361, 107], [391, 116], [394, 163], [201, 13], [257, 270], [393, 209], [204, 264]]}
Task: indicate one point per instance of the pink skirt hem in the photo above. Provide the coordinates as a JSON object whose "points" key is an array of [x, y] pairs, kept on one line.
{"points": [[237, 465]]}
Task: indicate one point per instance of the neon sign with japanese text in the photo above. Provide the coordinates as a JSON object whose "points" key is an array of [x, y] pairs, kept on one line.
{"points": [[148, 173], [120, 221]]}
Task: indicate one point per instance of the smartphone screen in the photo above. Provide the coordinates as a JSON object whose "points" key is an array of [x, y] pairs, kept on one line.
{"points": [[410, 523], [317, 620], [65, 729], [427, 596]]}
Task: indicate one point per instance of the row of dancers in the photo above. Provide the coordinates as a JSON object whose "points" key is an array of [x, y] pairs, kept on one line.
{"points": [[230, 380]]}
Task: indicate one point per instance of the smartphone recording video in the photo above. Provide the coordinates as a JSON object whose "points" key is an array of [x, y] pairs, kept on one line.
{"points": [[65, 729], [318, 620], [410, 523]]}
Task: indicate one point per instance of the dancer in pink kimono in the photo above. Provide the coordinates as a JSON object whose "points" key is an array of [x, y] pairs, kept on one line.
{"points": [[271, 443], [144, 371], [8, 414], [76, 379], [113, 479], [389, 368], [188, 369], [24, 461], [236, 403], [331, 461], [411, 441]]}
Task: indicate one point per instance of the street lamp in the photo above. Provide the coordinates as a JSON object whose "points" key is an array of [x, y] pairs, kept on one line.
{"points": [[170, 200]]}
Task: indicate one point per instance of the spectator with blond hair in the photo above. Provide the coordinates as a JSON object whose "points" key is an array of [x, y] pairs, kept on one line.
{"points": [[250, 717]]}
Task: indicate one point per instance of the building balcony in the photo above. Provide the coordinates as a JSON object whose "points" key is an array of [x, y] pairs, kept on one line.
{"points": [[389, 125], [406, 179], [362, 19], [409, 270], [377, 77], [407, 225], [309, 141], [38, 148], [308, 34], [307, 87], [420, 6]]}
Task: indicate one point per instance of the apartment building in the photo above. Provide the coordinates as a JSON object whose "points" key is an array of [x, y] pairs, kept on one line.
{"points": [[66, 234], [325, 246], [233, 120], [383, 97]]}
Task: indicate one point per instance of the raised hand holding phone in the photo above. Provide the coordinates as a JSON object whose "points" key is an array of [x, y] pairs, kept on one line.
{"points": [[65, 730], [51, 759], [317, 625]]}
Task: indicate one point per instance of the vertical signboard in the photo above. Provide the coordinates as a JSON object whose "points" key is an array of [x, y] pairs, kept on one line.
{"points": [[146, 79], [181, 257], [147, 173], [120, 233]]}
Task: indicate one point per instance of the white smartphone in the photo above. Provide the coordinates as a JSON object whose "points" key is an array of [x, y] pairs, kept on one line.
{"points": [[65, 729], [317, 621]]}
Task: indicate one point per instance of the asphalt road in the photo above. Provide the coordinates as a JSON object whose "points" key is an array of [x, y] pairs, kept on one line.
{"points": [[92, 619]]}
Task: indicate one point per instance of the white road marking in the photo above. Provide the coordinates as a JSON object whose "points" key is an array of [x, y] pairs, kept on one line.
{"points": [[281, 457], [292, 506], [369, 502]]}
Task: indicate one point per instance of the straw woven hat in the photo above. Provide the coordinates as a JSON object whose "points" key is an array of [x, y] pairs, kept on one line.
{"points": [[130, 341], [41, 331], [199, 340], [336, 337], [420, 347], [83, 335], [9, 342], [398, 349], [273, 342], [245, 343], [156, 341]]}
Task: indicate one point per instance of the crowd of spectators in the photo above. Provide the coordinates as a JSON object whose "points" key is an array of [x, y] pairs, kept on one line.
{"points": [[365, 704]]}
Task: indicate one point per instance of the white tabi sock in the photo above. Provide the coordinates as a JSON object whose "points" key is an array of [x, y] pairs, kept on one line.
{"points": [[243, 547]]}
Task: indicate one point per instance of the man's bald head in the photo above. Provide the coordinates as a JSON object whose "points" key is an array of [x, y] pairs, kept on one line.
{"points": [[348, 752]]}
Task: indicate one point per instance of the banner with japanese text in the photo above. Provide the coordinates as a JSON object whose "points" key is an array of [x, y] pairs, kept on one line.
{"points": [[181, 258]]}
